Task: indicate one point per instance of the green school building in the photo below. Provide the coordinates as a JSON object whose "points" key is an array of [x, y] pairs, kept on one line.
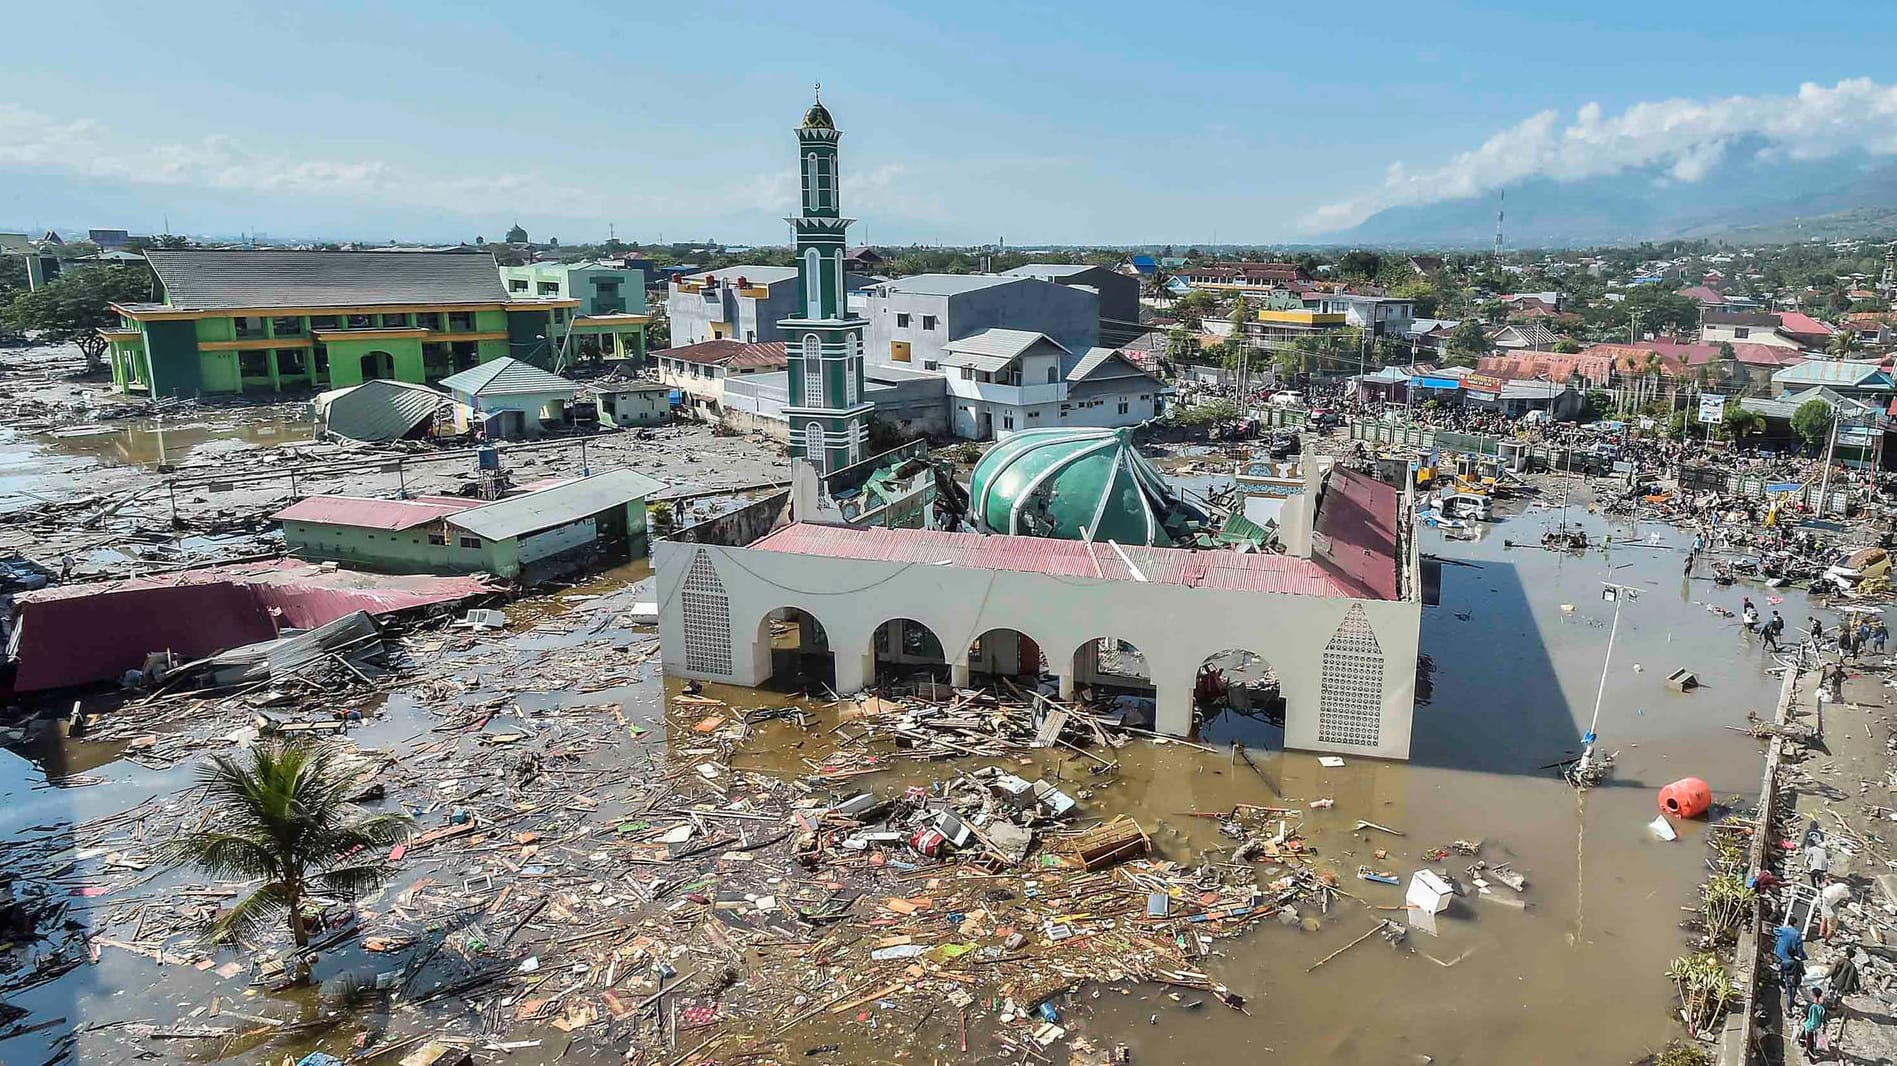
{"points": [[610, 322], [267, 321]]}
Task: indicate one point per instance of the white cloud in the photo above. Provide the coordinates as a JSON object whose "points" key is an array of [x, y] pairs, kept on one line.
{"points": [[1686, 139]]}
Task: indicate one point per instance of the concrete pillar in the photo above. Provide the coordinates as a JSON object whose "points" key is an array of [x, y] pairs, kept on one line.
{"points": [[853, 671], [959, 671], [1175, 709], [1066, 685]]}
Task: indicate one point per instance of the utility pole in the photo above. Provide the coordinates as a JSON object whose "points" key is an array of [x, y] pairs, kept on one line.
{"points": [[1614, 593], [1831, 447]]}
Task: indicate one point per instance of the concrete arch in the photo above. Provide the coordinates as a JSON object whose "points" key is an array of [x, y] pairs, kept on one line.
{"points": [[1239, 694], [1004, 651], [906, 646], [796, 647]]}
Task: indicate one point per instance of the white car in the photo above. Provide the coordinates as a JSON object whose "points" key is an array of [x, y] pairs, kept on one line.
{"points": [[1286, 399]]}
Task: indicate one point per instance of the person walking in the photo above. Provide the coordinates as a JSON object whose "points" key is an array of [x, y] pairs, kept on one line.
{"points": [[1817, 863], [1788, 947], [1835, 894], [1812, 1023], [1879, 634], [1768, 636]]}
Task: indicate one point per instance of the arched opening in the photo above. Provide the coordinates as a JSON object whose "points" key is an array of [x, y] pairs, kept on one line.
{"points": [[813, 371], [813, 284], [377, 366], [801, 659], [810, 181], [1236, 696], [1005, 654], [1113, 673], [813, 444], [907, 650]]}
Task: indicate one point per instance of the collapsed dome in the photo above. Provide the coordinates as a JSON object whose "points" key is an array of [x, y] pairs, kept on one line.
{"points": [[1077, 484]]}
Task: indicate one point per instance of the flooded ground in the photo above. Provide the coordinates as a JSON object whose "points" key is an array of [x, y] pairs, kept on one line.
{"points": [[1575, 978]]}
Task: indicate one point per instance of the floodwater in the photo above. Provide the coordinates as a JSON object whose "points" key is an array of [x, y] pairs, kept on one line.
{"points": [[36, 467], [1577, 977]]}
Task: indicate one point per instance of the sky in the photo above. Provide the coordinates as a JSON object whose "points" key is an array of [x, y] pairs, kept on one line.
{"points": [[971, 122]]}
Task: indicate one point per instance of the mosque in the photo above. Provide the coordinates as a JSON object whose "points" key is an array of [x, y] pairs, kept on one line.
{"points": [[1076, 566]]}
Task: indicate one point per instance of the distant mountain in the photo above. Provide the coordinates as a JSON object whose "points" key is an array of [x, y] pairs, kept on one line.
{"points": [[1747, 200]]}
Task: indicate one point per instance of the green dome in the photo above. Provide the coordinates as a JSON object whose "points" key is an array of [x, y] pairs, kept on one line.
{"points": [[818, 118], [1075, 484]]}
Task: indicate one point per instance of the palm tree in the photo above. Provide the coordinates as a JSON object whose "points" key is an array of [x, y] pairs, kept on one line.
{"points": [[1159, 287], [1843, 342], [283, 815]]}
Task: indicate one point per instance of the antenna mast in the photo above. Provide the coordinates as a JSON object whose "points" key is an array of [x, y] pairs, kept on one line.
{"points": [[1499, 208]]}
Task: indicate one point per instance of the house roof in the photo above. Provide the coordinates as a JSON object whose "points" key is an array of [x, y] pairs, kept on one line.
{"points": [[992, 349], [1801, 323], [1102, 364], [950, 284], [730, 353], [1739, 318], [1244, 572], [755, 273], [1703, 294], [15, 244], [556, 505], [380, 410], [212, 278], [1746, 353], [1532, 334], [1632, 358], [507, 376], [362, 512], [1049, 270], [1847, 373]]}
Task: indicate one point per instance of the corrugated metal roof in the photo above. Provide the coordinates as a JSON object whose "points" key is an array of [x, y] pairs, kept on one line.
{"points": [[1045, 271], [949, 284], [211, 278], [1249, 572], [362, 512], [377, 411], [507, 376], [1358, 519], [991, 349], [755, 273], [725, 352], [555, 506], [1844, 372]]}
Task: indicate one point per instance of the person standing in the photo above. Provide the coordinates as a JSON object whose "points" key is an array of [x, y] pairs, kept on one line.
{"points": [[1788, 947], [1817, 863], [1813, 1021]]}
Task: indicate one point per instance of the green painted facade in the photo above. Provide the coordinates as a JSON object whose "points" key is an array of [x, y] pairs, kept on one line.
{"points": [[600, 290], [828, 419], [227, 353], [439, 548]]}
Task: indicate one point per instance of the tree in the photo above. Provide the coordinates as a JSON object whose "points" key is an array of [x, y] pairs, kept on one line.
{"points": [[76, 305], [1739, 422], [1812, 421], [281, 814], [1567, 346], [1843, 343], [1469, 340], [1359, 264], [517, 235]]}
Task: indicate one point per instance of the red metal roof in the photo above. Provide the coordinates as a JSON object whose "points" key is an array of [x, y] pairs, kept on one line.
{"points": [[1798, 322], [365, 513], [78, 634], [1358, 517], [729, 353], [1069, 558]]}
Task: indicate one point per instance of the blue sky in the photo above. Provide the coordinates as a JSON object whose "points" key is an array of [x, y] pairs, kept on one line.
{"points": [[1101, 123]]}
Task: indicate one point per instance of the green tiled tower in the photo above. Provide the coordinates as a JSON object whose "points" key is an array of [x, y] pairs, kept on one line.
{"points": [[829, 419]]}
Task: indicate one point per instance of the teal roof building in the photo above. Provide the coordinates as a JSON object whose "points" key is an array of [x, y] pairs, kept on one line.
{"points": [[1077, 484]]}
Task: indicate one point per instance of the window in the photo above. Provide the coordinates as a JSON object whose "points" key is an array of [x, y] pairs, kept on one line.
{"points": [[428, 320], [707, 613], [470, 542], [359, 321], [1066, 407], [813, 371], [548, 288], [1350, 701], [928, 321], [1007, 421], [813, 444], [1741, 332], [849, 382], [1053, 374], [461, 321], [394, 321], [247, 327], [813, 284], [325, 322], [1034, 414], [1122, 406], [902, 320], [253, 364], [516, 284], [810, 179], [606, 286], [287, 326], [437, 539], [928, 364], [289, 361]]}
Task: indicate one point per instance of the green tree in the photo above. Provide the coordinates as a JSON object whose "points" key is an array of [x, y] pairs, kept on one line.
{"points": [[1843, 343], [1739, 422], [281, 814], [1812, 421], [517, 234], [1599, 402], [1359, 264], [76, 305], [1469, 341], [1567, 346]]}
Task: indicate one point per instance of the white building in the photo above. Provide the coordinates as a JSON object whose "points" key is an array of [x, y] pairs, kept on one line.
{"points": [[1002, 380]]}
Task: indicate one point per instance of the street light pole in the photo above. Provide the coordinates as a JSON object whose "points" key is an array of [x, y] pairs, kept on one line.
{"points": [[1616, 593]]}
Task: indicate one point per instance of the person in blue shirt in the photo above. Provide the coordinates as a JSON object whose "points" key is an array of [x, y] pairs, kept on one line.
{"points": [[1788, 947]]}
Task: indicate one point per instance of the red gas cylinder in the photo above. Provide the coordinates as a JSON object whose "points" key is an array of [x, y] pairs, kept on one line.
{"points": [[1686, 798]]}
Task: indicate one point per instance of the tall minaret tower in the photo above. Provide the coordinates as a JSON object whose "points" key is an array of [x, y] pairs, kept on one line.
{"points": [[829, 420]]}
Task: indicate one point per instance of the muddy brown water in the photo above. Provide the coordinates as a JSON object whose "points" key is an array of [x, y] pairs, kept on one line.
{"points": [[50, 466], [1575, 978]]}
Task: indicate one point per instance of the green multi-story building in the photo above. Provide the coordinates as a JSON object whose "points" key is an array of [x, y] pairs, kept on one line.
{"points": [[233, 321], [610, 322], [828, 416]]}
